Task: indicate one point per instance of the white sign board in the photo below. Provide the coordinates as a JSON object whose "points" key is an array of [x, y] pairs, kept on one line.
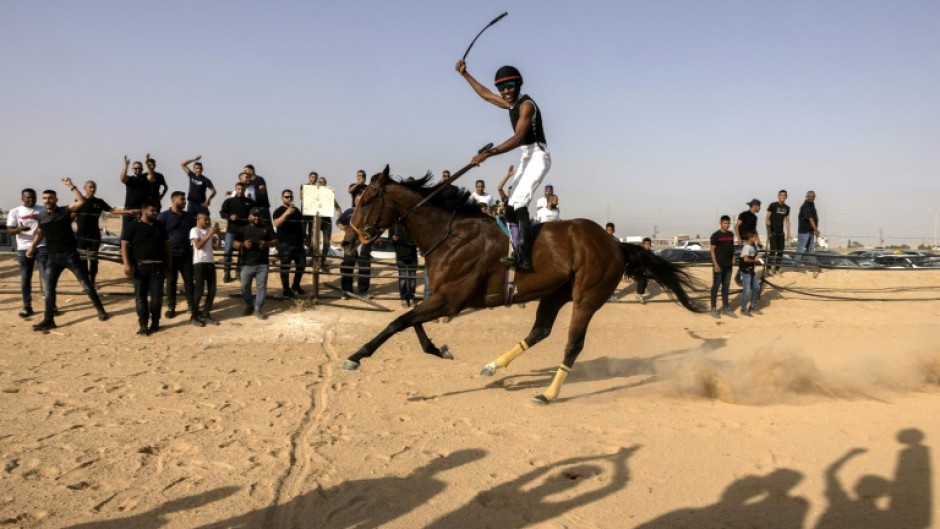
{"points": [[317, 199]]}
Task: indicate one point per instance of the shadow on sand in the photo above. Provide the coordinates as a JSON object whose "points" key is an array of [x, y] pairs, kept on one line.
{"points": [[767, 501]]}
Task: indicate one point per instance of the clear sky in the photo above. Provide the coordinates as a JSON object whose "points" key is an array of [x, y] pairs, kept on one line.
{"points": [[663, 113]]}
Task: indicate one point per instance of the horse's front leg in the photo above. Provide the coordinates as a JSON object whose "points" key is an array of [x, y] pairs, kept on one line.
{"points": [[433, 308]]}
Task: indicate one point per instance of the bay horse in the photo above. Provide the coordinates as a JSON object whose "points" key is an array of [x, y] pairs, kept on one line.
{"points": [[573, 261]]}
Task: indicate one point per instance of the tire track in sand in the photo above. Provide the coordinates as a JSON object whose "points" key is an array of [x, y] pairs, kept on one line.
{"points": [[302, 454]]}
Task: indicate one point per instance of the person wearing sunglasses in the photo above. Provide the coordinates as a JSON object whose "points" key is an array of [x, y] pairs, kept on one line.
{"points": [[529, 135]]}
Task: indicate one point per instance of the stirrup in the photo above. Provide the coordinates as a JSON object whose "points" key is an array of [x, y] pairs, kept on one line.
{"points": [[510, 260]]}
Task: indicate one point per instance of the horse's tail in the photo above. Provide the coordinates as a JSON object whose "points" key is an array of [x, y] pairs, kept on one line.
{"points": [[673, 278]]}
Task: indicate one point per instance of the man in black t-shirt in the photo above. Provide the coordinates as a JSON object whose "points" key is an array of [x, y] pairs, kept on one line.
{"points": [[356, 188], [158, 187], [137, 188], [290, 248], [145, 251], [778, 230], [722, 254], [55, 226], [235, 211], [201, 191], [178, 223], [254, 241], [747, 222], [808, 228], [88, 230], [257, 190]]}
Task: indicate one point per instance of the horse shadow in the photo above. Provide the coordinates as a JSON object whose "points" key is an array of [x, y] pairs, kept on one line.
{"points": [[767, 501], [595, 369]]}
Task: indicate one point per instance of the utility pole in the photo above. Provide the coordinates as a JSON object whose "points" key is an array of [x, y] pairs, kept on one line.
{"points": [[881, 237]]}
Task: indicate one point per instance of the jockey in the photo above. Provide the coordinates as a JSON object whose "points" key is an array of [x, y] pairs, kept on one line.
{"points": [[528, 133]]}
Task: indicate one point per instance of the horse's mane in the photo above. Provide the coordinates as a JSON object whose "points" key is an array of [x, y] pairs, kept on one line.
{"points": [[452, 197]]}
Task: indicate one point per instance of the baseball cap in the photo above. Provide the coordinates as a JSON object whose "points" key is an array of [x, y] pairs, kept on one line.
{"points": [[255, 211]]}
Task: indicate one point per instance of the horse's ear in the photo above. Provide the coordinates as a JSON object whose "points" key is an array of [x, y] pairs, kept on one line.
{"points": [[385, 178]]}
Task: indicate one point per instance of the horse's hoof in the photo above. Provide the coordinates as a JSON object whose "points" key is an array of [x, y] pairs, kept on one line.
{"points": [[446, 354], [541, 399], [350, 365], [488, 370]]}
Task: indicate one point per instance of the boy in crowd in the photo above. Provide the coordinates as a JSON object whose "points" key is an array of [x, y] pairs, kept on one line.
{"points": [[751, 283], [205, 240], [722, 254]]}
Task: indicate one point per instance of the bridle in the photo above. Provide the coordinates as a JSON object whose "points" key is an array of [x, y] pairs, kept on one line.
{"points": [[372, 231]]}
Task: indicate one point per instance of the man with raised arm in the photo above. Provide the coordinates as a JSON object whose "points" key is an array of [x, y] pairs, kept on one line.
{"points": [[88, 227], [526, 120], [201, 191], [55, 227], [136, 188]]}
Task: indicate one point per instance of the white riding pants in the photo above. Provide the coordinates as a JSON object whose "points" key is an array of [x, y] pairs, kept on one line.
{"points": [[531, 171]]}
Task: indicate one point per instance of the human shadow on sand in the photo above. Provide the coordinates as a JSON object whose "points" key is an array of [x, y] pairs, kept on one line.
{"points": [[767, 501], [363, 504], [542, 494], [602, 368], [156, 518], [909, 496]]}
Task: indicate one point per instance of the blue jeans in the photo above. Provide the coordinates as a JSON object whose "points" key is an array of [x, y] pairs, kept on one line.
{"points": [[407, 278], [55, 264], [751, 292], [722, 278], [26, 273], [259, 273], [227, 259], [289, 254], [804, 243], [148, 292]]}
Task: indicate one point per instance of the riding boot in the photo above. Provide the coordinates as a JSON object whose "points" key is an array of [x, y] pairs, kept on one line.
{"points": [[513, 225], [525, 239]]}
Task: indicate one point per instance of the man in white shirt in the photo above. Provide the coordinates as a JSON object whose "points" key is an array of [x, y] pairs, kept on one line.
{"points": [[481, 196], [542, 202], [205, 240], [23, 221]]}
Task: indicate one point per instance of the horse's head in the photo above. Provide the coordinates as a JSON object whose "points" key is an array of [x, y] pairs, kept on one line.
{"points": [[376, 210]]}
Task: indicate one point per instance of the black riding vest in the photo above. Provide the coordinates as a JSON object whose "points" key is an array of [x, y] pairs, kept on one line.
{"points": [[535, 134]]}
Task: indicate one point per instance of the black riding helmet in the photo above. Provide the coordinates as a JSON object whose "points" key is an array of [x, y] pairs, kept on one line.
{"points": [[507, 74]]}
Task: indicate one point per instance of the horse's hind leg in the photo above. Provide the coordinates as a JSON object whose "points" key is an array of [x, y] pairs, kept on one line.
{"points": [[544, 320], [428, 346], [580, 318]]}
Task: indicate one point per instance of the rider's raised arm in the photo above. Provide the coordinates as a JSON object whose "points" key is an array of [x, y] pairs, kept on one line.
{"points": [[481, 90]]}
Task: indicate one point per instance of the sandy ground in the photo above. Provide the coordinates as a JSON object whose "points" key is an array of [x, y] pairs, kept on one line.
{"points": [[820, 413]]}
